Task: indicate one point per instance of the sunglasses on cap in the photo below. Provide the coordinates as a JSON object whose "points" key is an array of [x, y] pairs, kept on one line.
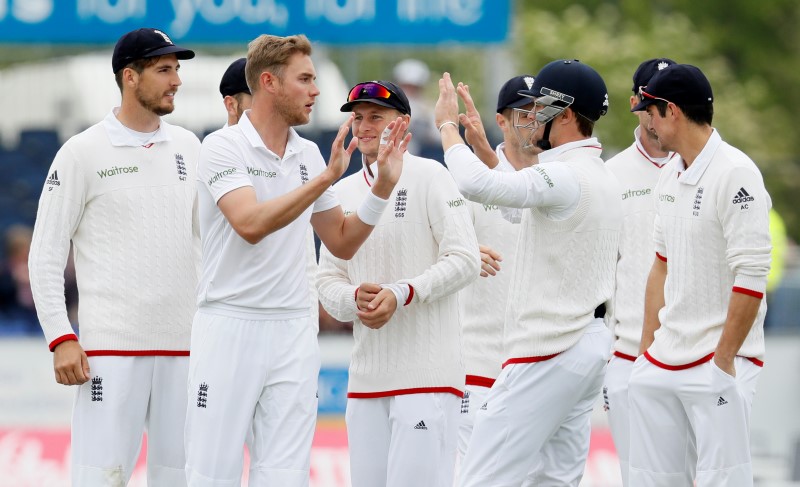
{"points": [[643, 94], [369, 90]]}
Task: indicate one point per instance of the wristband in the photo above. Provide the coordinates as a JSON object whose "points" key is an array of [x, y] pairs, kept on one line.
{"points": [[401, 292], [446, 123], [371, 209]]}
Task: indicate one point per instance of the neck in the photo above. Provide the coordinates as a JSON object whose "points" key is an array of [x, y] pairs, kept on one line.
{"points": [[651, 145], [134, 116], [692, 142], [274, 130], [517, 158]]}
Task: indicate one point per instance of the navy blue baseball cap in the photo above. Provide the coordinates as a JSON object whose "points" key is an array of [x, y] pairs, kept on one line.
{"points": [[647, 69], [681, 84], [234, 80], [509, 96], [144, 43], [383, 93]]}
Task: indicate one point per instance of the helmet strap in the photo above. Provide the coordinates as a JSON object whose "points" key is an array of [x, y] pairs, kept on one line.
{"points": [[544, 143]]}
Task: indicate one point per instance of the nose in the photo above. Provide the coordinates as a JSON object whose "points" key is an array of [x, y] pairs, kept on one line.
{"points": [[314, 89]]}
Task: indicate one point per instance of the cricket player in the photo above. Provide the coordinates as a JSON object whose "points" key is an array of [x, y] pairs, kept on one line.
{"points": [[123, 193], [406, 375], [255, 357], [691, 390], [637, 168], [555, 350]]}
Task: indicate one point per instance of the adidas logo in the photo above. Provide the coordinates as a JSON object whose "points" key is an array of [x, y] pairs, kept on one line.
{"points": [[53, 179], [483, 408], [742, 197], [420, 426], [721, 401]]}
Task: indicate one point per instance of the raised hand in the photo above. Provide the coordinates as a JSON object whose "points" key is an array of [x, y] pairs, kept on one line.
{"points": [[340, 155], [390, 158], [446, 109], [474, 132]]}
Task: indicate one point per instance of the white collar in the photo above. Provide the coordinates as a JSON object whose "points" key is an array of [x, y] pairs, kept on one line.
{"points": [[293, 143], [695, 171], [554, 153], [120, 136]]}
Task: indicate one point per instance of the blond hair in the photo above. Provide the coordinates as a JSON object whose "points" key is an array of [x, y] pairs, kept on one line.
{"points": [[272, 53]]}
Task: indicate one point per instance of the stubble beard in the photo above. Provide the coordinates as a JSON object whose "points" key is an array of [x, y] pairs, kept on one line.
{"points": [[286, 109], [153, 104]]}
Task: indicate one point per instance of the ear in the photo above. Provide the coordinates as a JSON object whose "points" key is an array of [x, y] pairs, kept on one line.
{"points": [[129, 77], [567, 116], [230, 105], [634, 101], [268, 81], [500, 120]]}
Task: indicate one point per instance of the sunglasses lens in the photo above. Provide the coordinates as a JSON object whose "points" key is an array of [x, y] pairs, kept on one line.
{"points": [[368, 90]]}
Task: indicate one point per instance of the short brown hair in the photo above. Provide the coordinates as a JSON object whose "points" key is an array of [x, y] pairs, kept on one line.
{"points": [[138, 65], [272, 53]]}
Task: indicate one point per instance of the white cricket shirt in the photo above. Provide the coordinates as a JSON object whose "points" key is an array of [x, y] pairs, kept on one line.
{"points": [[268, 280], [712, 229]]}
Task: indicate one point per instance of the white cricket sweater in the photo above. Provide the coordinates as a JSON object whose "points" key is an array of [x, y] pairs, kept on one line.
{"points": [[637, 173], [483, 302], [427, 242], [712, 229], [130, 211], [564, 267]]}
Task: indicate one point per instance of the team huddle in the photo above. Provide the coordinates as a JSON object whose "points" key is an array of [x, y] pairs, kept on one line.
{"points": [[494, 298]]}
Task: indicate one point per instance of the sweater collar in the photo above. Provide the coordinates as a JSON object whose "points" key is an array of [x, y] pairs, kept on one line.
{"points": [[656, 161], [556, 153], [692, 175], [120, 136]]}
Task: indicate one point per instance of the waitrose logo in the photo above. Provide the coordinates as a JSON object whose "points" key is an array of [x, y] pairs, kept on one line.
{"points": [[115, 171], [260, 172], [216, 177]]}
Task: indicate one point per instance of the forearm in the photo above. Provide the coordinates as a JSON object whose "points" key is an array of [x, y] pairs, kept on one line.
{"points": [[336, 292], [742, 312], [267, 217], [653, 303]]}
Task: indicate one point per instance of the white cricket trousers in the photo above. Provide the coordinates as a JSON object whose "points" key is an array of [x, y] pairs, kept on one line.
{"points": [[251, 375], [615, 397], [474, 398], [125, 396], [539, 411], [403, 441], [695, 419]]}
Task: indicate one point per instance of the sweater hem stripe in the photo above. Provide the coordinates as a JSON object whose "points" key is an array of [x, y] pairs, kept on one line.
{"points": [[625, 356], [62, 339], [748, 292], [477, 380], [678, 367], [757, 362], [528, 360], [402, 392], [137, 353]]}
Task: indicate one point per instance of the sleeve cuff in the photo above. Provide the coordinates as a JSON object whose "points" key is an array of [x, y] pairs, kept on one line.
{"points": [[752, 286], [662, 258], [62, 339]]}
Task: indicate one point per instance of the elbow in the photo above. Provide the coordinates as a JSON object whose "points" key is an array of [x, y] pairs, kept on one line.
{"points": [[343, 253], [249, 233]]}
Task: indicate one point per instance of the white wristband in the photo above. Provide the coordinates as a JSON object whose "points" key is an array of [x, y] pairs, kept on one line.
{"points": [[448, 122], [401, 292], [371, 209]]}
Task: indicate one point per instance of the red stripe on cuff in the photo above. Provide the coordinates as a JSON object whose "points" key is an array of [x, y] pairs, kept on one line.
{"points": [[410, 295], [661, 257], [61, 340], [749, 292], [477, 380]]}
